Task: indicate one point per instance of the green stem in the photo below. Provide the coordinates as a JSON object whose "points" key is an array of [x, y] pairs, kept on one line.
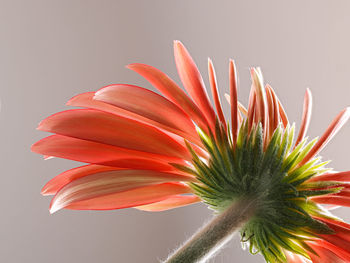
{"points": [[207, 241]]}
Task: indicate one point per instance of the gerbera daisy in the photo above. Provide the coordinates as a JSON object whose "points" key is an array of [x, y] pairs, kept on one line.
{"points": [[157, 152]]}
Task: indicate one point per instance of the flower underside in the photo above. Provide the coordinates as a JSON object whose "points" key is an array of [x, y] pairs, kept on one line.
{"points": [[161, 151], [271, 174]]}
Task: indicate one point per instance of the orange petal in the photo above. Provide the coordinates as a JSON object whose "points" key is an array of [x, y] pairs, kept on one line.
{"points": [[66, 177], [258, 84], [107, 183], [98, 153], [193, 81], [305, 121], [233, 101], [294, 258], [341, 229], [170, 203], [271, 111], [215, 92], [332, 130], [150, 105], [251, 108], [116, 200], [337, 245], [339, 177], [332, 200], [327, 253], [171, 91], [86, 100], [282, 112], [276, 111], [114, 130], [241, 108]]}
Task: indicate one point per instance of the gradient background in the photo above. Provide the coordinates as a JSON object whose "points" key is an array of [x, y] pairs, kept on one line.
{"points": [[53, 50]]}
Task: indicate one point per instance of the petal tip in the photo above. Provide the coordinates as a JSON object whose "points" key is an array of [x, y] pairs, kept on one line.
{"points": [[54, 207], [131, 66]]}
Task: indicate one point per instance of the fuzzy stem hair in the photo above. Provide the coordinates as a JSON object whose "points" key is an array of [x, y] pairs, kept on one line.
{"points": [[207, 241]]}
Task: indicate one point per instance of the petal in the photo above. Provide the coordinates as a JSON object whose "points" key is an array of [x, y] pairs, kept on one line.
{"points": [[305, 121], [332, 200], [276, 111], [215, 93], [86, 100], [233, 100], [114, 130], [282, 112], [124, 199], [66, 177], [341, 229], [258, 85], [325, 253], [251, 108], [171, 91], [271, 111], [294, 258], [150, 105], [170, 203], [339, 177], [98, 153], [193, 81], [109, 182], [332, 130], [241, 108]]}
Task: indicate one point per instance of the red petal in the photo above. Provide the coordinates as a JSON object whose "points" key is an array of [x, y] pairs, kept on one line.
{"points": [[66, 177], [294, 258], [340, 177], [215, 92], [171, 91], [305, 121], [102, 184], [170, 203], [282, 112], [98, 153], [86, 100], [332, 129], [326, 253], [193, 81], [276, 110], [150, 105], [271, 111], [342, 229], [241, 108], [260, 96], [115, 130], [234, 100], [251, 108], [332, 200], [130, 198]]}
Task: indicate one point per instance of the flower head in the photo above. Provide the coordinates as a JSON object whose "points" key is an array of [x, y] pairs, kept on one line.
{"points": [[157, 152]]}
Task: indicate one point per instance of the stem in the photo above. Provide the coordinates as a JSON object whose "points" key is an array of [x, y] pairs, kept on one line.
{"points": [[207, 241]]}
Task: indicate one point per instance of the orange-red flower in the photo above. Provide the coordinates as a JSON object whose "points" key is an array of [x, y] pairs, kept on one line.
{"points": [[157, 152]]}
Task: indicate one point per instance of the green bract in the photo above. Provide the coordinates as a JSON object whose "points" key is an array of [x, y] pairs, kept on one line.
{"points": [[269, 172]]}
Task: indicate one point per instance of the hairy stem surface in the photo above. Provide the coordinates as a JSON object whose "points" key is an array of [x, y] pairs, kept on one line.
{"points": [[207, 241]]}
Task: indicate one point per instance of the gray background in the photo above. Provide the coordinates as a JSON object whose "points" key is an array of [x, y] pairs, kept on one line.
{"points": [[53, 50]]}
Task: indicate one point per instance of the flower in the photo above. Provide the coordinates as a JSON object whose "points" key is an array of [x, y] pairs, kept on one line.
{"points": [[157, 152]]}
